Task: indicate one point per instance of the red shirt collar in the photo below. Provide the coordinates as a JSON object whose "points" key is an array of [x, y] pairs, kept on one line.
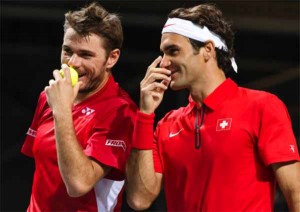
{"points": [[106, 90], [222, 92]]}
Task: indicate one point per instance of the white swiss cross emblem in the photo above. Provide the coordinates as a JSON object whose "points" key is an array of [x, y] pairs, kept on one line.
{"points": [[224, 124]]}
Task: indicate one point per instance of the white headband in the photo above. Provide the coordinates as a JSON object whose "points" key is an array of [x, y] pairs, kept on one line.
{"points": [[193, 31]]}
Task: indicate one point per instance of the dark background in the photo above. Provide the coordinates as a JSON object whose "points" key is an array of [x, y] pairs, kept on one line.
{"points": [[267, 49]]}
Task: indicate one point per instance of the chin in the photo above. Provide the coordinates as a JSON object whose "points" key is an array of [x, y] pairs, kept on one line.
{"points": [[84, 90], [175, 86]]}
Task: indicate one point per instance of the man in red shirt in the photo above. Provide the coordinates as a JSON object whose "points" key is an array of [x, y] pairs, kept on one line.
{"points": [[226, 148], [80, 136]]}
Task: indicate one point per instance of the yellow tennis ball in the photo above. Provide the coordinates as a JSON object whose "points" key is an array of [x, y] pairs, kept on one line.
{"points": [[74, 75]]}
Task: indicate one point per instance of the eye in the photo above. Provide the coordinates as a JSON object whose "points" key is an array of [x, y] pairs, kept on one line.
{"points": [[173, 51], [85, 55], [67, 51]]}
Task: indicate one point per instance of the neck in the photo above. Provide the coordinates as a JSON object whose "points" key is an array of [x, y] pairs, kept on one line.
{"points": [[84, 95], [206, 85]]}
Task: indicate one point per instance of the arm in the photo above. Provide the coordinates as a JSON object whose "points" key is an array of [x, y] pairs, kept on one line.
{"points": [[288, 178], [79, 172], [143, 184]]}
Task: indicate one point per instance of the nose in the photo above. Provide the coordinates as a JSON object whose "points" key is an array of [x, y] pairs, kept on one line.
{"points": [[165, 62], [74, 61]]}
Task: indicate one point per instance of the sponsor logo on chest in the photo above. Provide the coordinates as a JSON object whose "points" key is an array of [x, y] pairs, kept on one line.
{"points": [[87, 111], [172, 134]]}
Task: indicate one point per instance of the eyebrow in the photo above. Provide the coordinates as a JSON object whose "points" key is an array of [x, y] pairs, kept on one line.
{"points": [[81, 51], [87, 52], [168, 47], [65, 47]]}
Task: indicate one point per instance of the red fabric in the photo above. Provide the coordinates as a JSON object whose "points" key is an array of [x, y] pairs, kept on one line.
{"points": [[230, 171], [103, 125], [143, 131]]}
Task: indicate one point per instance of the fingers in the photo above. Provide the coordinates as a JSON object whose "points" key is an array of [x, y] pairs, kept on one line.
{"points": [[156, 79], [155, 86], [166, 82], [155, 76], [155, 73], [56, 75], [153, 66], [155, 62], [66, 74], [52, 81], [66, 70], [76, 89], [63, 66]]}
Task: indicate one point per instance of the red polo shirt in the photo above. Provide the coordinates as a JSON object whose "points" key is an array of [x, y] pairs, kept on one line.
{"points": [[223, 166], [103, 124]]}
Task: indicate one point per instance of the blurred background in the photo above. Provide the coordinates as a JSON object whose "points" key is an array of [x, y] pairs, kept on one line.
{"points": [[267, 54]]}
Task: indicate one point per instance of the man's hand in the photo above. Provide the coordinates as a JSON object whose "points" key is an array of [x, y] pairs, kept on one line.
{"points": [[153, 87], [60, 93]]}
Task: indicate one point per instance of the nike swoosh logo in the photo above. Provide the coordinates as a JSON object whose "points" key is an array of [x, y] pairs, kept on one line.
{"points": [[174, 134], [168, 25]]}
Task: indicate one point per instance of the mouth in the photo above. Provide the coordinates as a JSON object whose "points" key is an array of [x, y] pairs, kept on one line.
{"points": [[81, 75], [173, 72]]}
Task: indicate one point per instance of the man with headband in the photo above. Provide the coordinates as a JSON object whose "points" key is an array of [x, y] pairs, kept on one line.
{"points": [[225, 150]]}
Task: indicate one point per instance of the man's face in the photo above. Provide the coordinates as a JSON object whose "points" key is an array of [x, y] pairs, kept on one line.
{"points": [[180, 59], [88, 57]]}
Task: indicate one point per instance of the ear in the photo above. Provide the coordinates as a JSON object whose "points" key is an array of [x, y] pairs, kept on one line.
{"points": [[209, 50], [113, 58]]}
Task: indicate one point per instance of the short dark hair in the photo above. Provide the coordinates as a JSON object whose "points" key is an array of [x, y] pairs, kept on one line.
{"points": [[210, 16], [95, 19]]}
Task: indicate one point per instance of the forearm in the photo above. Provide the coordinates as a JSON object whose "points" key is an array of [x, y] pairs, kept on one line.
{"points": [[292, 196], [293, 201], [77, 170], [143, 184], [288, 178]]}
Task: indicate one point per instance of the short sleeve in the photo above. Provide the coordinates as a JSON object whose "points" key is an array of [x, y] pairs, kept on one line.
{"points": [[31, 132], [276, 141], [110, 140]]}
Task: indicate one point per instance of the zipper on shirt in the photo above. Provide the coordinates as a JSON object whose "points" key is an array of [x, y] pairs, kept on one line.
{"points": [[198, 124]]}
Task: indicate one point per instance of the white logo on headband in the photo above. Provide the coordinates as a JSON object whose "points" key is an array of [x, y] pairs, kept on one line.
{"points": [[193, 31]]}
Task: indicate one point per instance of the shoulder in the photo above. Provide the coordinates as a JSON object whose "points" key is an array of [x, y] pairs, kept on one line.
{"points": [[42, 101], [43, 95], [122, 99], [173, 115], [258, 96], [116, 100], [262, 100]]}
